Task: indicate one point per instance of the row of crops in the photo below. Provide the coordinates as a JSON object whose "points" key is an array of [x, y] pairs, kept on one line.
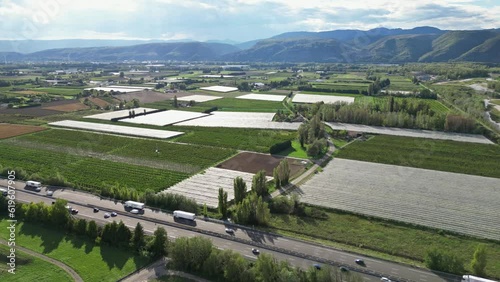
{"points": [[451, 156], [86, 171], [156, 150]]}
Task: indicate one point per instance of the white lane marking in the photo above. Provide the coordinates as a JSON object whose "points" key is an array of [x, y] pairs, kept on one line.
{"points": [[419, 271]]}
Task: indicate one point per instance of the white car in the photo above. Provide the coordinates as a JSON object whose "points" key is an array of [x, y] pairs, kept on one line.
{"points": [[229, 230], [106, 215], [385, 279], [134, 211], [50, 193]]}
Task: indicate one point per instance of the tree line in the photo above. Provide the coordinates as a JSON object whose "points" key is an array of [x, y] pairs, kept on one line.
{"points": [[198, 255], [113, 234]]}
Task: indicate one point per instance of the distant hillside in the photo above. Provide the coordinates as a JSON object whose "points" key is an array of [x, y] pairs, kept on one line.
{"points": [[454, 44], [31, 46], [186, 51], [293, 50], [489, 51], [401, 48], [380, 45]]}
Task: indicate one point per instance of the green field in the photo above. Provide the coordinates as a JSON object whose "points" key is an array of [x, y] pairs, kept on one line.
{"points": [[296, 151], [29, 268], [199, 156], [87, 172], [443, 155], [402, 84], [332, 94], [64, 91], [391, 239], [243, 105], [92, 262], [258, 140], [342, 86], [383, 102]]}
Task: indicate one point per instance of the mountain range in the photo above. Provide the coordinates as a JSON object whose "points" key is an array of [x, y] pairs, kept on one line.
{"points": [[380, 45]]}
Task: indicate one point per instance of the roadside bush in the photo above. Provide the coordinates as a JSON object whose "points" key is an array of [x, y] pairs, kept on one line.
{"points": [[442, 261], [282, 204]]}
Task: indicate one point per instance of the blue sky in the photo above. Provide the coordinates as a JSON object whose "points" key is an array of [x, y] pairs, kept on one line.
{"points": [[235, 20]]}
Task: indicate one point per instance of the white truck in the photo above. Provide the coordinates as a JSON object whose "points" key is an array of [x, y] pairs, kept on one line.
{"points": [[134, 205], [184, 215], [470, 278], [34, 184]]}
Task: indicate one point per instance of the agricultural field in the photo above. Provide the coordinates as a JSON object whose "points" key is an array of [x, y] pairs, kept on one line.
{"points": [[11, 130], [435, 105], [243, 105], [67, 107], [330, 94], [60, 91], [382, 238], [116, 129], [401, 83], [198, 98], [311, 99], [254, 162], [145, 96], [92, 262], [118, 114], [342, 86], [204, 187], [296, 151], [28, 268], [263, 97], [188, 159], [223, 89], [435, 199], [257, 140], [418, 133], [241, 120], [117, 88], [89, 173], [443, 155], [164, 118]]}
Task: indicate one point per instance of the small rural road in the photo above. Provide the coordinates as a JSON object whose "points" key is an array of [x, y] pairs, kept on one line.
{"points": [[66, 268], [157, 270]]}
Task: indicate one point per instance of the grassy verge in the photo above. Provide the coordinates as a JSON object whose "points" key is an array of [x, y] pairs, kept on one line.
{"points": [[295, 151], [443, 155], [92, 262], [29, 268], [384, 239]]}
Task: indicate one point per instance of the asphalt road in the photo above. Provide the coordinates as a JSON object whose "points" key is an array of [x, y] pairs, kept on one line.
{"points": [[298, 253]]}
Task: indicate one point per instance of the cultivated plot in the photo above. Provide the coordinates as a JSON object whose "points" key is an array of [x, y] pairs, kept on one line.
{"points": [[11, 130], [118, 88], [109, 128], [222, 89], [262, 97], [241, 120], [164, 118], [198, 98], [119, 114], [310, 98], [461, 137], [460, 203], [204, 187]]}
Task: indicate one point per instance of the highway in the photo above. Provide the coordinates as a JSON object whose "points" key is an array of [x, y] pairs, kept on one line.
{"points": [[298, 253]]}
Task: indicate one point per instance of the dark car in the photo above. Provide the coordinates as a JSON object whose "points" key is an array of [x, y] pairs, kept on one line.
{"points": [[360, 262], [255, 251], [343, 269], [74, 211], [114, 214], [317, 266], [96, 209]]}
